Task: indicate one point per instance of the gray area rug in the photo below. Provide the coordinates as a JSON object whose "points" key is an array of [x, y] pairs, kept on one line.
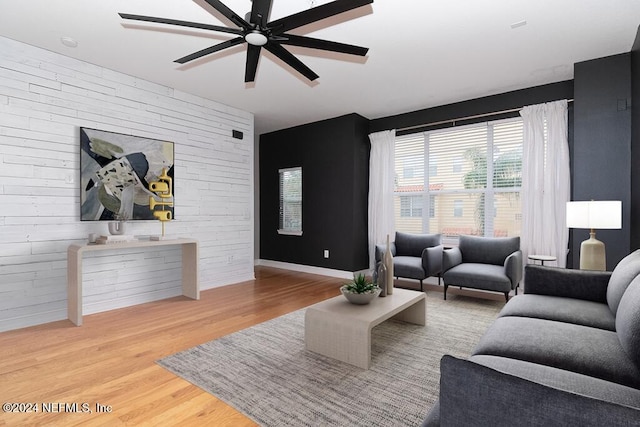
{"points": [[266, 373]]}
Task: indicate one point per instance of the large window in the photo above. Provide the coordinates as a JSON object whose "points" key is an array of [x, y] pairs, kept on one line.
{"points": [[290, 201], [473, 184]]}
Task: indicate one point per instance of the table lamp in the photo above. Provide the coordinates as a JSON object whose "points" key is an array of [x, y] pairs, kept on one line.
{"points": [[605, 214]]}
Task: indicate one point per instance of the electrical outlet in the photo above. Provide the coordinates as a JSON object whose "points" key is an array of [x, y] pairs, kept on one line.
{"points": [[326, 253]]}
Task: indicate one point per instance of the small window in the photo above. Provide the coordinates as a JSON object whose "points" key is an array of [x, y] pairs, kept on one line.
{"points": [[408, 173], [432, 206], [433, 167], [411, 206], [457, 208], [290, 201], [457, 165]]}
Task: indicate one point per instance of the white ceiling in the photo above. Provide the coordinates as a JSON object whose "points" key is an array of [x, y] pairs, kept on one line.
{"points": [[423, 53]]}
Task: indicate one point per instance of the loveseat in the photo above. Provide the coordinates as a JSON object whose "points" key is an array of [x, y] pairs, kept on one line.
{"points": [[567, 353], [415, 256]]}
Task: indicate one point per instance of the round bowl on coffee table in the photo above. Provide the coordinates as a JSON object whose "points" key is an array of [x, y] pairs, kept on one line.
{"points": [[360, 299]]}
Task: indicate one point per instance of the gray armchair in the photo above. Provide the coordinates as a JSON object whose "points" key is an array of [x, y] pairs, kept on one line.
{"points": [[415, 256], [488, 263]]}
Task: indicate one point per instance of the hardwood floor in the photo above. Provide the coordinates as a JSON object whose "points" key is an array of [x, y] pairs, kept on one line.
{"points": [[110, 360]]}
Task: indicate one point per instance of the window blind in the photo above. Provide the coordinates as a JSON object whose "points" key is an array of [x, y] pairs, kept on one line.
{"points": [[290, 216], [473, 180]]}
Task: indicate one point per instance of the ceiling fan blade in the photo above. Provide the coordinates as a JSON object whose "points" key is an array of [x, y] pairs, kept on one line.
{"points": [[209, 50], [230, 14], [314, 14], [302, 41], [253, 55], [294, 62], [260, 12], [181, 23]]}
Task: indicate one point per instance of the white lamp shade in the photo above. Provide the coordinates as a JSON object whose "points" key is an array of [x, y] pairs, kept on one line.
{"points": [[602, 214]]}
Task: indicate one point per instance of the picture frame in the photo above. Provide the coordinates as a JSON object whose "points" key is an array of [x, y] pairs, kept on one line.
{"points": [[115, 172]]}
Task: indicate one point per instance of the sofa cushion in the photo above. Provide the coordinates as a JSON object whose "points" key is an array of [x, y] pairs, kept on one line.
{"points": [[568, 283], [475, 395], [626, 270], [628, 321], [563, 380], [410, 244], [569, 310], [581, 349], [408, 266], [479, 276]]}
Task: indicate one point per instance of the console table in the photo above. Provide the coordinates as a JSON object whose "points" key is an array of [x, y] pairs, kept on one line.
{"points": [[190, 284]]}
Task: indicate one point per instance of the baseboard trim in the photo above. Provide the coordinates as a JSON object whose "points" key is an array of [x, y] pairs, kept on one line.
{"points": [[305, 268]]}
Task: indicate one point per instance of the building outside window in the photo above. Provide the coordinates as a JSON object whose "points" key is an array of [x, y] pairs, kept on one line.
{"points": [[475, 187]]}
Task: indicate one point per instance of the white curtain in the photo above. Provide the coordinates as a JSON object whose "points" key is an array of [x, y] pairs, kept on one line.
{"points": [[545, 181], [381, 183]]}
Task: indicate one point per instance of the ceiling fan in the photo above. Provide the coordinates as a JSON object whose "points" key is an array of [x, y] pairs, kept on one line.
{"points": [[257, 32]]}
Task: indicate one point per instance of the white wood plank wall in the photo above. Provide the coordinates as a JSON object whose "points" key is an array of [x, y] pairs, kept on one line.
{"points": [[44, 100]]}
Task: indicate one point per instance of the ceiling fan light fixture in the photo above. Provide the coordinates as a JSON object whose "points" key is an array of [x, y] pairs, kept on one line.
{"points": [[256, 38]]}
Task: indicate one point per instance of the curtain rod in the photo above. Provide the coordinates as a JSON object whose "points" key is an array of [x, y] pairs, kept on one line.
{"points": [[460, 119]]}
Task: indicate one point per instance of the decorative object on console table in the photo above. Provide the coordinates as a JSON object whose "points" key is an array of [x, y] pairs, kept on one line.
{"points": [[118, 227], [388, 262], [162, 189], [604, 214], [119, 238]]}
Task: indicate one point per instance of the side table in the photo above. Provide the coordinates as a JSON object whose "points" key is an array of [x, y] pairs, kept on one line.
{"points": [[542, 258]]}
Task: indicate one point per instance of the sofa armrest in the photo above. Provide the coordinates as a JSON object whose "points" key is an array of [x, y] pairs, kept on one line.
{"points": [[475, 395], [450, 258], [513, 268], [561, 282], [432, 260], [381, 249]]}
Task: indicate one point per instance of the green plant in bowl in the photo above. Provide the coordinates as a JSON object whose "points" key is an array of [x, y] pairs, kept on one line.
{"points": [[360, 290]]}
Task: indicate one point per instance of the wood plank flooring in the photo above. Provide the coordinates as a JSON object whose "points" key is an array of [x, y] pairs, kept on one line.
{"points": [[110, 360]]}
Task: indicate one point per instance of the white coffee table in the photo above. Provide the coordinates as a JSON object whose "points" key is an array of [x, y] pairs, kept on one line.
{"points": [[341, 330]]}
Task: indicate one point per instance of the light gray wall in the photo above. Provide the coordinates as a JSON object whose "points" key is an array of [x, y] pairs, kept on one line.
{"points": [[44, 99]]}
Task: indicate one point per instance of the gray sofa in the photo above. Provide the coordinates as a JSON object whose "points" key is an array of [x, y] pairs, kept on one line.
{"points": [[488, 263], [415, 256], [567, 353]]}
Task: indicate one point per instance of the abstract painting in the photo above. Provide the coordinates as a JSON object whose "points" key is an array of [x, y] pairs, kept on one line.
{"points": [[115, 172]]}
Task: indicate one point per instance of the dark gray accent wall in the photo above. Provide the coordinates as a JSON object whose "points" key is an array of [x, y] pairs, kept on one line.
{"points": [[334, 156], [601, 155], [635, 144]]}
